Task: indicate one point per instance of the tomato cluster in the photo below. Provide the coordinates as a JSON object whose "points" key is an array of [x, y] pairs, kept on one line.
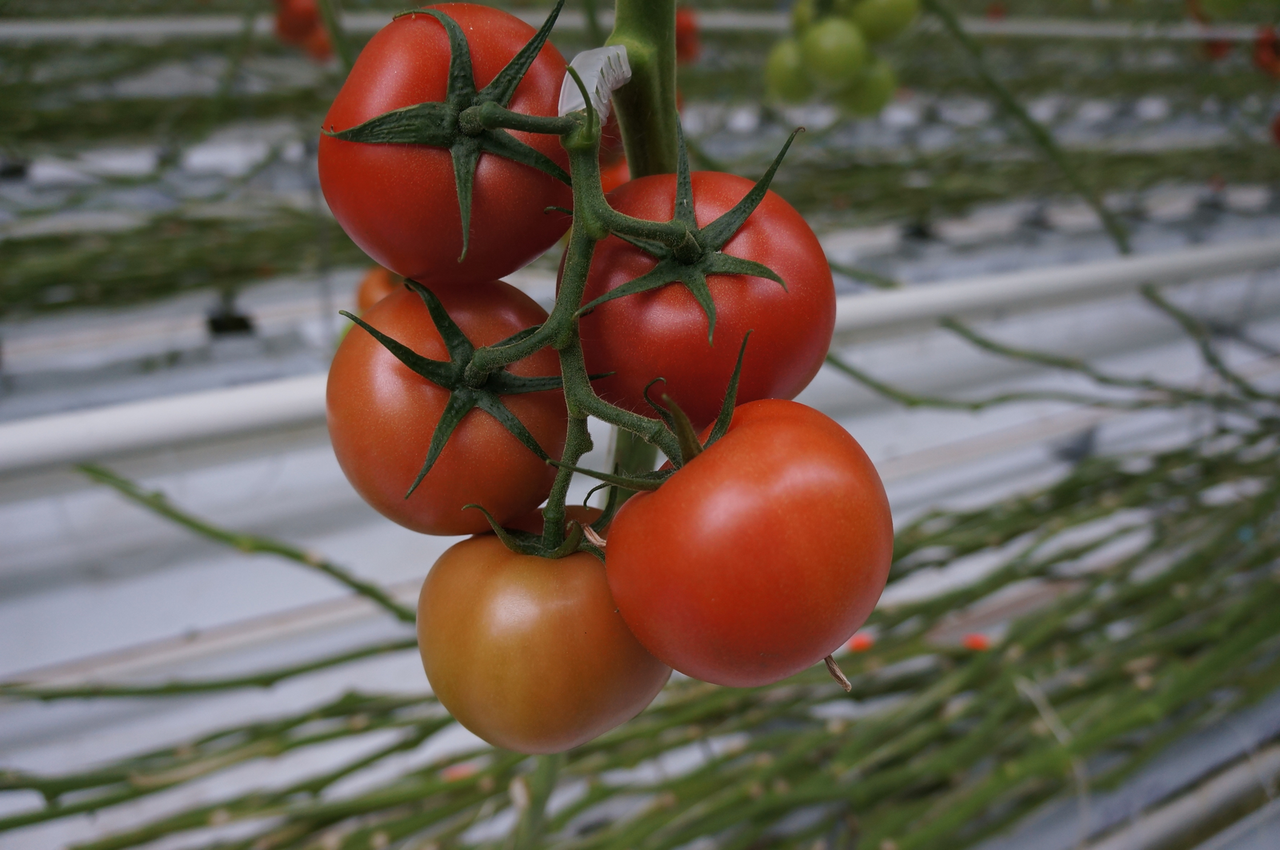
{"points": [[830, 53], [765, 541]]}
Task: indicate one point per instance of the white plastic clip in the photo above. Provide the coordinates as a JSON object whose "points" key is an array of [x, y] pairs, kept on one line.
{"points": [[603, 71]]}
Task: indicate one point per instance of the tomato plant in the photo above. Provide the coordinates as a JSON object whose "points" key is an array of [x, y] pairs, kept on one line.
{"points": [[759, 557], [399, 202], [530, 653], [664, 332], [383, 416]]}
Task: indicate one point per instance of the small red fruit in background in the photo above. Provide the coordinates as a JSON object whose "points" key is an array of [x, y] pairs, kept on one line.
{"points": [[688, 40], [976, 641], [1266, 52], [861, 642]]}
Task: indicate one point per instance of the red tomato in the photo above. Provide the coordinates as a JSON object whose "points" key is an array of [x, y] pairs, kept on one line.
{"points": [[399, 202], [382, 414], [861, 642], [663, 332], [688, 42], [976, 641], [611, 148], [317, 44], [1266, 51], [376, 284], [529, 653], [613, 176], [759, 557], [296, 19]]}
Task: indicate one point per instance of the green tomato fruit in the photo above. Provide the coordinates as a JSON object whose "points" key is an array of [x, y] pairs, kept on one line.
{"points": [[881, 20], [803, 15], [784, 74], [834, 53], [871, 92]]}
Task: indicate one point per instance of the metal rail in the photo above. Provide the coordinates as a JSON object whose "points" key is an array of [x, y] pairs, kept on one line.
{"points": [[55, 440], [155, 28]]}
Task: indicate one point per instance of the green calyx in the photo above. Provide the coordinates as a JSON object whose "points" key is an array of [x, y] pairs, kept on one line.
{"points": [[469, 121], [451, 375], [574, 539], [692, 253]]}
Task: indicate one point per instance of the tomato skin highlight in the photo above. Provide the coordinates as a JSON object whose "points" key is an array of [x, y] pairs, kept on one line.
{"points": [[663, 332], [399, 202], [381, 416], [529, 653], [759, 557]]}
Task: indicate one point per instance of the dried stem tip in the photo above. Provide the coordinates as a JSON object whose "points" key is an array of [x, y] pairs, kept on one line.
{"points": [[836, 673]]}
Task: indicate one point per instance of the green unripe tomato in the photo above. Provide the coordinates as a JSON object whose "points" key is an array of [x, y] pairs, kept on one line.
{"points": [[784, 74], [871, 92], [803, 15], [881, 20], [834, 53]]}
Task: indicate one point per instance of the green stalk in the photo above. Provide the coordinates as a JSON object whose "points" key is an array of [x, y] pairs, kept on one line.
{"points": [[1041, 136], [646, 106], [331, 14], [248, 543], [647, 115]]}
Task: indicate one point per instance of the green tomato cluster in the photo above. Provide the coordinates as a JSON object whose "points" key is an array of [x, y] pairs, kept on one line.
{"points": [[829, 54]]}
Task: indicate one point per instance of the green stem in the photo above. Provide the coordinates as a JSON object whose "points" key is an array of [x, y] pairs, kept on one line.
{"points": [[263, 679], [1037, 131], [595, 33], [646, 105], [247, 543], [529, 829], [331, 14]]}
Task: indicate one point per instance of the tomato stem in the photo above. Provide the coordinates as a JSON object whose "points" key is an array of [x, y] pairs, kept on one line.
{"points": [[647, 105]]}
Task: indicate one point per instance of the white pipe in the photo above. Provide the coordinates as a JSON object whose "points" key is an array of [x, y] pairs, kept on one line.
{"points": [[79, 436], [65, 438], [889, 312], [1214, 798], [154, 28]]}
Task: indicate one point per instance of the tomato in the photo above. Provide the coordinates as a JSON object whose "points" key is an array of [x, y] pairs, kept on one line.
{"points": [[833, 53], [382, 415], [296, 20], [785, 75], [399, 202], [530, 653], [688, 42], [872, 92], [761, 556], [613, 176], [317, 44], [376, 284], [1266, 51], [881, 20], [663, 332], [803, 15], [611, 147]]}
